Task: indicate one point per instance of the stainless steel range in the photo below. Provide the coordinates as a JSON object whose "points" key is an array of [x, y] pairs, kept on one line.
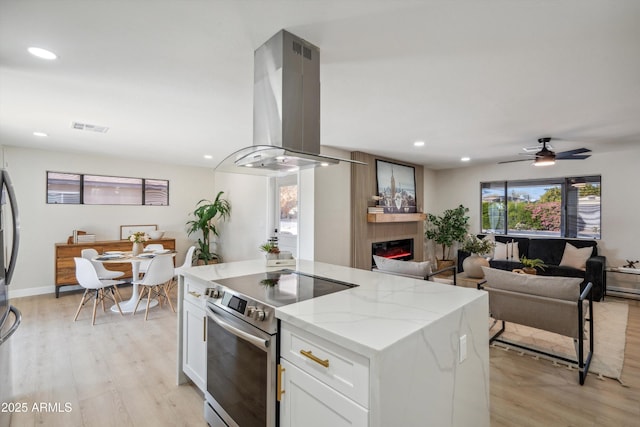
{"points": [[242, 340]]}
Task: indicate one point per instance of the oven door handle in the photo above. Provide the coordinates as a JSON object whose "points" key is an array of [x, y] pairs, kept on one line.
{"points": [[257, 341]]}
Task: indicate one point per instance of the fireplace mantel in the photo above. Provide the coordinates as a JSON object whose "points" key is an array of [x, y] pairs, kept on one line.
{"points": [[383, 217], [380, 227]]}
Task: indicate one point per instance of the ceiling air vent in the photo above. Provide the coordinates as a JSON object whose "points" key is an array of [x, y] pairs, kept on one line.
{"points": [[89, 127]]}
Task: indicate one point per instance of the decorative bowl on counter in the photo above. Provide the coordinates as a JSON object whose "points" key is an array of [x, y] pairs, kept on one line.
{"points": [[156, 234]]}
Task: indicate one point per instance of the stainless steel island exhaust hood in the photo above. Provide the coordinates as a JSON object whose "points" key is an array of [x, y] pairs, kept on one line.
{"points": [[286, 111]]}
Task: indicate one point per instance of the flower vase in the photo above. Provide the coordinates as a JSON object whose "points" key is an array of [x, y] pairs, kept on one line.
{"points": [[137, 248], [472, 266]]}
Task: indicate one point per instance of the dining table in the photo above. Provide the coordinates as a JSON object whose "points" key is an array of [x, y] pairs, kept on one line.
{"points": [[113, 257]]}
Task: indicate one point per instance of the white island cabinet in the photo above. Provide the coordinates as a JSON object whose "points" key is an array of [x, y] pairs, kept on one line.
{"points": [[393, 351], [321, 384], [193, 321]]}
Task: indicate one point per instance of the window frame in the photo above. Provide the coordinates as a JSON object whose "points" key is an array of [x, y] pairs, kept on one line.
{"points": [[564, 182], [143, 189]]}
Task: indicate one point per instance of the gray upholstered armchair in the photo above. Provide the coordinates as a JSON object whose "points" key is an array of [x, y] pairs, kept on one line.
{"points": [[554, 304]]}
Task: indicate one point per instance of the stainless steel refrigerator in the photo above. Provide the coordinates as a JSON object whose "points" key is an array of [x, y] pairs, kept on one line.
{"points": [[10, 316]]}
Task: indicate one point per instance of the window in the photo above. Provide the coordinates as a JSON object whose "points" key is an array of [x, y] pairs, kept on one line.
{"points": [[67, 188], [287, 205], [156, 192], [63, 188], [107, 190], [557, 207]]}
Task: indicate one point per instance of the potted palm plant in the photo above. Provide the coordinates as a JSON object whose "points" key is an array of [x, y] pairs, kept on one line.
{"points": [[206, 216], [445, 230]]}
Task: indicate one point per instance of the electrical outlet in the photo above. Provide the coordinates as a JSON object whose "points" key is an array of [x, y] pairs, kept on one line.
{"points": [[462, 349]]}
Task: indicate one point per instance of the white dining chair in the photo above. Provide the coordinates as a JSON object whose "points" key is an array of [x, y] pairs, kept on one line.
{"points": [[153, 283], [103, 272], [188, 262], [150, 248], [94, 287]]}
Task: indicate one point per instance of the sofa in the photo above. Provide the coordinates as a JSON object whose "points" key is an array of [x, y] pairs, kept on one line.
{"points": [[550, 251]]}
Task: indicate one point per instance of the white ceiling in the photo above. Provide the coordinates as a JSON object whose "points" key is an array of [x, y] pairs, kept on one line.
{"points": [[173, 80]]}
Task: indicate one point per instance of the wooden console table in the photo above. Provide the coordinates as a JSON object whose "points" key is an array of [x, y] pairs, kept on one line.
{"points": [[66, 268]]}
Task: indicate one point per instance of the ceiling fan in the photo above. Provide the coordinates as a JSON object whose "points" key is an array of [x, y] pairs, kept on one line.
{"points": [[546, 157]]}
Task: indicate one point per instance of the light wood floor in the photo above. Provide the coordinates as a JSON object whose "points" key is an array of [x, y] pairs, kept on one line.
{"points": [[122, 371]]}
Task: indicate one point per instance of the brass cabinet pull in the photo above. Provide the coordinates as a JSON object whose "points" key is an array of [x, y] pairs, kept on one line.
{"points": [[311, 356], [195, 294], [279, 387]]}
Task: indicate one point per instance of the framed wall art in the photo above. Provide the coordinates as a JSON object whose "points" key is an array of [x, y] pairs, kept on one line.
{"points": [[396, 185]]}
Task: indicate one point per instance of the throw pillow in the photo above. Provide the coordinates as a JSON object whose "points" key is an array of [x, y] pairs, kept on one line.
{"points": [[508, 251], [410, 268], [576, 258], [565, 288]]}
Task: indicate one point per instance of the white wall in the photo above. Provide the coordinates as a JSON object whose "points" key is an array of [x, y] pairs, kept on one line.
{"points": [[620, 202], [251, 210], [42, 225], [332, 207]]}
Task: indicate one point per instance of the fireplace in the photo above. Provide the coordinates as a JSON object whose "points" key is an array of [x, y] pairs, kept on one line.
{"points": [[395, 249]]}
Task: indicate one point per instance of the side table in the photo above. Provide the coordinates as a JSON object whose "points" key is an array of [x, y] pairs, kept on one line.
{"points": [[629, 278], [467, 282]]}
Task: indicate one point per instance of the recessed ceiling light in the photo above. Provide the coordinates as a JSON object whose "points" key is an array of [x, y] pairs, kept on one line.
{"points": [[208, 156], [40, 134], [418, 144], [324, 164], [249, 165], [42, 53], [465, 159]]}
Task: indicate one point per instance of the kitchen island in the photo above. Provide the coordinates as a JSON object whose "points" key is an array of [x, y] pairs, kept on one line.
{"points": [[391, 351]]}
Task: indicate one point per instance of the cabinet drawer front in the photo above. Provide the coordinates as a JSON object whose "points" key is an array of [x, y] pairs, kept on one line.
{"points": [[194, 292], [309, 402], [336, 366]]}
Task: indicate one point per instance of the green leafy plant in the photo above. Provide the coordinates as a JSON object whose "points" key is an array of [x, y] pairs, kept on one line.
{"points": [[448, 228], [533, 263], [206, 215], [475, 245], [270, 248]]}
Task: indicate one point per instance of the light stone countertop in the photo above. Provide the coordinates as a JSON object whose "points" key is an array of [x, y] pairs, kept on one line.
{"points": [[381, 311]]}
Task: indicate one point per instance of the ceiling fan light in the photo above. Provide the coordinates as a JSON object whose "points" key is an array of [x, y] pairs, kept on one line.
{"points": [[544, 161]]}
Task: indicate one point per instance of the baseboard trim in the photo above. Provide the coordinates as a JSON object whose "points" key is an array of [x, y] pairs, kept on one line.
{"points": [[42, 290]]}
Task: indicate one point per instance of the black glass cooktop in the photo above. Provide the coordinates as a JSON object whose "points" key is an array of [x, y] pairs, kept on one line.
{"points": [[283, 287]]}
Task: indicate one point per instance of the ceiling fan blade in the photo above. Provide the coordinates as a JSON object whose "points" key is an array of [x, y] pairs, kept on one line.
{"points": [[576, 157], [576, 151], [513, 161], [531, 150]]}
